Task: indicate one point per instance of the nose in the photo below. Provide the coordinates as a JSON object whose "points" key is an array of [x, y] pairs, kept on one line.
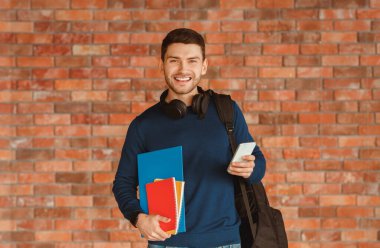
{"points": [[182, 66]]}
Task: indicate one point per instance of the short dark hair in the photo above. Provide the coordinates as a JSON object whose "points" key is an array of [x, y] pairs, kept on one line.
{"points": [[182, 35]]}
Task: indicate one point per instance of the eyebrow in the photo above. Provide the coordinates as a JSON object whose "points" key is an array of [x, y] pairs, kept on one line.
{"points": [[175, 57]]}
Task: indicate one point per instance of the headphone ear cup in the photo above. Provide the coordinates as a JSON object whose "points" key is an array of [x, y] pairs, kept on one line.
{"points": [[176, 109], [200, 104], [196, 103]]}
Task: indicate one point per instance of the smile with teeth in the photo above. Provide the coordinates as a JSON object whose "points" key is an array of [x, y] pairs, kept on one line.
{"points": [[182, 78]]}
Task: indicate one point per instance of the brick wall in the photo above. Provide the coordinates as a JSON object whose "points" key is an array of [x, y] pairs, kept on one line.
{"points": [[73, 74]]}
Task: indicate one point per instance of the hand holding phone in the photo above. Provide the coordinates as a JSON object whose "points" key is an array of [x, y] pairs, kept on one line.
{"points": [[239, 166], [243, 150]]}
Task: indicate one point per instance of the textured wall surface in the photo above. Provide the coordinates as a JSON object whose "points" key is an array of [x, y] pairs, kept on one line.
{"points": [[74, 73]]}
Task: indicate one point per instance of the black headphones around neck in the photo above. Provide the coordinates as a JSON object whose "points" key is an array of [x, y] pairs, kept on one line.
{"points": [[177, 109]]}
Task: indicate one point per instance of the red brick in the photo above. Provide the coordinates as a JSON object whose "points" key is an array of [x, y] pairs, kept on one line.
{"points": [[277, 95], [340, 60], [313, 3], [238, 72], [54, 166], [52, 119], [346, 72], [89, 4], [46, 4], [51, 26], [342, 83], [369, 129], [319, 142], [343, 95], [30, 154], [314, 72], [337, 14], [218, 14], [112, 38], [339, 153], [49, 236], [356, 49], [15, 4], [91, 50], [349, 3], [30, 178], [370, 60], [34, 38], [73, 15], [359, 26], [263, 37], [225, 4], [51, 50], [274, 4], [307, 153], [7, 62], [150, 14], [231, 26], [17, 190], [83, 26], [362, 118], [277, 72], [113, 15], [227, 37], [319, 49], [280, 49], [280, 142], [129, 49], [363, 212], [359, 235], [301, 61], [262, 61], [154, 4], [35, 61], [299, 106], [16, 27], [89, 96], [337, 200], [315, 25], [35, 15], [266, 106], [374, 4]]}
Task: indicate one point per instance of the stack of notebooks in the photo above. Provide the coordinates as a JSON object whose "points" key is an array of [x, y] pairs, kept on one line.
{"points": [[161, 186], [165, 197]]}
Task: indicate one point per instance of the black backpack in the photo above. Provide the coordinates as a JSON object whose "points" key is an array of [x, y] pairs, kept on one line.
{"points": [[261, 225]]}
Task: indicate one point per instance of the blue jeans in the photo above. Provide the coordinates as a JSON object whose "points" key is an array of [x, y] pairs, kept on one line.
{"points": [[223, 246]]}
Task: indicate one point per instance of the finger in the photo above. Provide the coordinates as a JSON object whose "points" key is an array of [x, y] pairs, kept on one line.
{"points": [[163, 219], [155, 237], [240, 170], [242, 165], [249, 157]]}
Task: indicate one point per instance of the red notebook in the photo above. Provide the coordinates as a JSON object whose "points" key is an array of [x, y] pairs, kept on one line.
{"points": [[162, 200]]}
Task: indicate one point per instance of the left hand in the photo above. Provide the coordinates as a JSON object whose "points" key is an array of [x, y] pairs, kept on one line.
{"points": [[243, 169]]}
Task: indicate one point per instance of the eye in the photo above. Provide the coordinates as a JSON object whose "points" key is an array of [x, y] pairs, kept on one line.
{"points": [[193, 61], [173, 61]]}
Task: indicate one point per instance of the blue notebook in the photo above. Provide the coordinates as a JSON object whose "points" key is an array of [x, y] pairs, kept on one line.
{"points": [[163, 163]]}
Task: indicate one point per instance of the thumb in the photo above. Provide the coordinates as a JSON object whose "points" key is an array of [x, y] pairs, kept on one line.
{"points": [[163, 219]]}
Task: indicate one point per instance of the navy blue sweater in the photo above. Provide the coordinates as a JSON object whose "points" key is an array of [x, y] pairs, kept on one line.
{"points": [[211, 217]]}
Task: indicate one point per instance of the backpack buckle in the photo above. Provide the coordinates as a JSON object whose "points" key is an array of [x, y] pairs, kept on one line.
{"points": [[229, 127]]}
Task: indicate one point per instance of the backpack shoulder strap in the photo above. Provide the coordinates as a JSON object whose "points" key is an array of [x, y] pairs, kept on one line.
{"points": [[224, 106]]}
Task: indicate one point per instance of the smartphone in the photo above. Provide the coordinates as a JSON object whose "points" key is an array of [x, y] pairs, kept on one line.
{"points": [[242, 150]]}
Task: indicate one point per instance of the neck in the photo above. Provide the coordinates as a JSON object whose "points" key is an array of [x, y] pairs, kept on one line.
{"points": [[185, 98]]}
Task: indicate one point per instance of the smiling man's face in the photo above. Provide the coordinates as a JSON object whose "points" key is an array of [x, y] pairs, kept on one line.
{"points": [[183, 67]]}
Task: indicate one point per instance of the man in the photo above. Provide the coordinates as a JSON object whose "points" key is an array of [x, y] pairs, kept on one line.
{"points": [[185, 116]]}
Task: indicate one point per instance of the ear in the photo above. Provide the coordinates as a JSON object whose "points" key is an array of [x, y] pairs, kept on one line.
{"points": [[204, 66]]}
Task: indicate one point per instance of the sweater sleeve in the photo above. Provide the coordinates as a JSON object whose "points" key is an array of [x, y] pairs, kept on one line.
{"points": [[126, 178], [242, 135]]}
